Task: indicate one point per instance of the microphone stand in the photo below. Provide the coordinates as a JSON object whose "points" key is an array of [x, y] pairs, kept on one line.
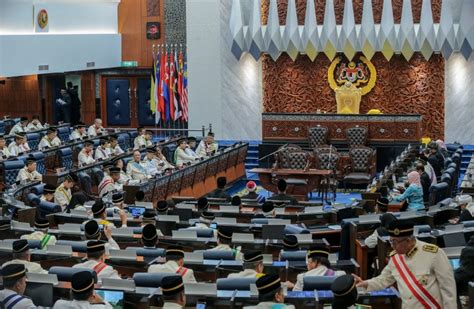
{"points": [[273, 153]]}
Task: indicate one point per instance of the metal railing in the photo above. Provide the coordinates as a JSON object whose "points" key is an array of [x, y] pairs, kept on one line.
{"points": [[169, 132]]}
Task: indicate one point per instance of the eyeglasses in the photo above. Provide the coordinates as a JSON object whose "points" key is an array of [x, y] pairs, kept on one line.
{"points": [[395, 242]]}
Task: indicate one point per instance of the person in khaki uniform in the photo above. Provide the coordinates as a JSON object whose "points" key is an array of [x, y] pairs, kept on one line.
{"points": [[224, 240], [29, 172], [50, 140], [174, 264], [173, 292], [21, 255], [14, 286], [253, 265], [318, 264], [95, 261], [270, 293], [63, 195], [422, 271], [41, 233]]}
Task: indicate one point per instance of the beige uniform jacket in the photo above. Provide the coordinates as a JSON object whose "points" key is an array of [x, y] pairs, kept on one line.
{"points": [[430, 266], [38, 235], [237, 252], [171, 306], [62, 196], [137, 171], [107, 272], [246, 273], [321, 270], [173, 267], [24, 176], [77, 135], [30, 266], [85, 158], [46, 143]]}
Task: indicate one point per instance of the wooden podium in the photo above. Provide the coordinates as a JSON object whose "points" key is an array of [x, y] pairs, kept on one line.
{"points": [[310, 180]]}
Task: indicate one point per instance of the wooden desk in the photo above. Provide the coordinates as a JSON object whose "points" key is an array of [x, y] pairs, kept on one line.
{"points": [[269, 179]]}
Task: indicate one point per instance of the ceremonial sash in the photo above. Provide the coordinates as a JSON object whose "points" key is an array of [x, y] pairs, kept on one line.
{"points": [[329, 272], [139, 167], [45, 240], [65, 193], [420, 293], [99, 267], [104, 184], [10, 301], [181, 271]]}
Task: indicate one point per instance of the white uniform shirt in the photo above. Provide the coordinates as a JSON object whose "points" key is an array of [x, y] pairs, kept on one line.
{"points": [[151, 166], [79, 304], [18, 128], [431, 268], [106, 272], [30, 266], [45, 142], [85, 158], [34, 127], [173, 267], [38, 235], [137, 170], [5, 152], [77, 135], [237, 252], [24, 175], [321, 270], [116, 151], [181, 157], [171, 306], [62, 196], [24, 303], [141, 141], [372, 240], [108, 185], [101, 153], [15, 149], [93, 132], [204, 150], [125, 179]]}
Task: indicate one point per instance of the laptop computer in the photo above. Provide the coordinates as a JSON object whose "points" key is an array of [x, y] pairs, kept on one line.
{"points": [[114, 298], [40, 293], [454, 239]]}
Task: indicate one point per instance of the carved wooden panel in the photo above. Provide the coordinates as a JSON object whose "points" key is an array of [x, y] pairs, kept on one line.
{"points": [[402, 87], [153, 7], [377, 6]]}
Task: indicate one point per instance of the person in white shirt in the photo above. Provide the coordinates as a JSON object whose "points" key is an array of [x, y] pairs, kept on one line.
{"points": [[207, 146], [163, 163], [92, 231], [180, 156], [50, 140], [95, 261], [270, 293], [14, 286], [85, 158], [96, 129], [79, 132], [20, 127], [114, 147], [317, 262], [174, 264], [191, 147], [21, 255], [48, 193], [83, 294], [63, 194], [172, 288], [41, 233], [100, 214], [29, 172], [136, 169], [253, 265], [86, 155], [125, 179], [150, 162], [110, 182], [19, 146], [140, 140], [102, 152], [35, 124], [4, 152]]}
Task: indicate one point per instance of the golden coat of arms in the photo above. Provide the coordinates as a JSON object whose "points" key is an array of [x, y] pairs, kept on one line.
{"points": [[350, 80], [42, 18]]}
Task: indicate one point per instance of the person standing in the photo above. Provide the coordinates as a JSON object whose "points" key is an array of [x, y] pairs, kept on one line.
{"points": [[421, 271], [73, 92], [64, 107]]}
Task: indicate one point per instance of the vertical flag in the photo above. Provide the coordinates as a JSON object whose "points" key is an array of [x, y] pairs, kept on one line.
{"points": [[177, 99], [171, 85], [156, 88], [161, 96], [152, 87], [166, 88], [184, 99]]}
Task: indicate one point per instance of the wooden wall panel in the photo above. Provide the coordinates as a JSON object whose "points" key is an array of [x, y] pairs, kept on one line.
{"points": [[20, 96], [133, 16], [415, 87], [88, 97], [358, 5]]}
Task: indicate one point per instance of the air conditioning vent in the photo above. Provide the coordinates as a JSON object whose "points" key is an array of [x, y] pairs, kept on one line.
{"points": [[44, 67], [90, 64]]}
